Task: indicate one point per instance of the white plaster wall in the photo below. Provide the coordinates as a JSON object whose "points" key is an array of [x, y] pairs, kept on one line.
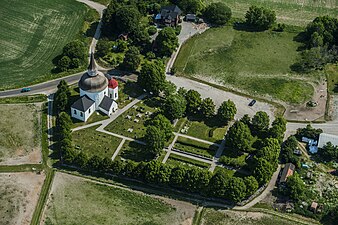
{"points": [[114, 93]]}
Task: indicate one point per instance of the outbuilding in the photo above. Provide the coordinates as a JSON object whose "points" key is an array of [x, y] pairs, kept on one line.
{"points": [[325, 138], [287, 171]]}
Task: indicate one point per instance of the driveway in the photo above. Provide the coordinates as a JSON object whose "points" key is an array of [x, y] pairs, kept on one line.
{"points": [[218, 96]]}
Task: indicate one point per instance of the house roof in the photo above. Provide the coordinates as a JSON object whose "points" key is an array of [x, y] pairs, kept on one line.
{"points": [[106, 103], [190, 17], [83, 103], [325, 138], [170, 12], [314, 205], [287, 171]]}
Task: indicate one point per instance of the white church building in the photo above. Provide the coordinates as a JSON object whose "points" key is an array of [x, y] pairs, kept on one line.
{"points": [[97, 92]]}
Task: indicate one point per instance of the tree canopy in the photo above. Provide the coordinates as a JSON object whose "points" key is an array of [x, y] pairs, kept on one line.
{"points": [[166, 41], [155, 139], [260, 17], [227, 111], [239, 138], [132, 59], [127, 18], [194, 101], [152, 76], [217, 13], [208, 108], [174, 107]]}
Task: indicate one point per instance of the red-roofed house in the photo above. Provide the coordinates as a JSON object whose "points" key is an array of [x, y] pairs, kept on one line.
{"points": [[113, 89]]}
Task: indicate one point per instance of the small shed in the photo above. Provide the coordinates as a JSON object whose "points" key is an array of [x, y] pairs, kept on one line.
{"points": [[314, 206], [191, 18]]}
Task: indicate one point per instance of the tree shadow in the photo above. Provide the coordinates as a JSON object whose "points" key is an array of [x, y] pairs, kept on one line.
{"points": [[90, 32], [242, 26]]}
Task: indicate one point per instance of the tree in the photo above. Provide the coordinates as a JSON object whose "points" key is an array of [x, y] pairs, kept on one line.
{"points": [[166, 41], [94, 162], [308, 132], [270, 151], [217, 13], [246, 120], [263, 171], [295, 187], [81, 160], [208, 108], [278, 128], [103, 47], [62, 96], [236, 189], [329, 152], [174, 107], [152, 76], [287, 155], [227, 111], [163, 124], [156, 172], [177, 176], [75, 50], [155, 139], [260, 122], [140, 37], [132, 59], [194, 101], [239, 138], [127, 19], [169, 88], [251, 185], [260, 17], [64, 63], [218, 183], [190, 6]]}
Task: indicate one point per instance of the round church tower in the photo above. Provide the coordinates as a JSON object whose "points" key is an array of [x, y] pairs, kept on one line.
{"points": [[93, 83]]}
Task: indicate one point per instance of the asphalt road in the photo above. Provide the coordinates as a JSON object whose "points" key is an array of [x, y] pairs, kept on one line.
{"points": [[43, 88]]}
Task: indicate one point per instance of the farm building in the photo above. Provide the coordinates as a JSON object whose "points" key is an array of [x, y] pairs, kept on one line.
{"points": [[96, 93], [325, 138], [287, 171]]}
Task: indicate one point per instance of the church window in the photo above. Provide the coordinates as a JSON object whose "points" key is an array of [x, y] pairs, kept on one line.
{"points": [[81, 114], [89, 110], [115, 95], [74, 111]]}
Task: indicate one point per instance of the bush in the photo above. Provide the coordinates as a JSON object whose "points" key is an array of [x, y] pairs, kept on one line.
{"points": [[178, 29], [260, 17], [217, 13], [234, 162], [152, 30]]}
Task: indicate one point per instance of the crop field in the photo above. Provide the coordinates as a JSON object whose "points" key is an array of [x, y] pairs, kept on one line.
{"points": [[20, 136], [19, 196], [257, 63], [225, 217], [74, 200], [33, 34], [93, 142], [295, 12]]}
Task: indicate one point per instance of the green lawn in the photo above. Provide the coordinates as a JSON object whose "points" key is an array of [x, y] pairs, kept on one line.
{"points": [[20, 136], [192, 146], [123, 123], [287, 11], [127, 92], [225, 217], [36, 32], [332, 78], [257, 63], [134, 151], [177, 160], [93, 142], [74, 200], [206, 130], [24, 99]]}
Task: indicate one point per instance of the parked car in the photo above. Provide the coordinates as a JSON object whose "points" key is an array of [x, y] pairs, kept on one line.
{"points": [[252, 102], [25, 89]]}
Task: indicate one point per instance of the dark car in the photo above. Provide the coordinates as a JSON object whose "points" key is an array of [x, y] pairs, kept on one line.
{"points": [[25, 89], [252, 102]]}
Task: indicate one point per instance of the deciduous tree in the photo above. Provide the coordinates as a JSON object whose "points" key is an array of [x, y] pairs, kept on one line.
{"points": [[227, 111]]}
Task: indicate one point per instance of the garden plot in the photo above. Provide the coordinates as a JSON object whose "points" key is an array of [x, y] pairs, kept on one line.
{"points": [[288, 11], [93, 142], [36, 32], [20, 136], [133, 122], [74, 200], [19, 196]]}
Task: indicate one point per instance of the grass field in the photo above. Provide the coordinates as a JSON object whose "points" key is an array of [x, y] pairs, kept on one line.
{"points": [[19, 196], [134, 151], [93, 142], [20, 136], [332, 78], [74, 200], [177, 160], [206, 130], [36, 31], [214, 217], [257, 63], [196, 147], [293, 12]]}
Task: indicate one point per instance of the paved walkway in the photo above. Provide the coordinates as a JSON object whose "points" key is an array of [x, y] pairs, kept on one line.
{"points": [[117, 151], [266, 191], [169, 149]]}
